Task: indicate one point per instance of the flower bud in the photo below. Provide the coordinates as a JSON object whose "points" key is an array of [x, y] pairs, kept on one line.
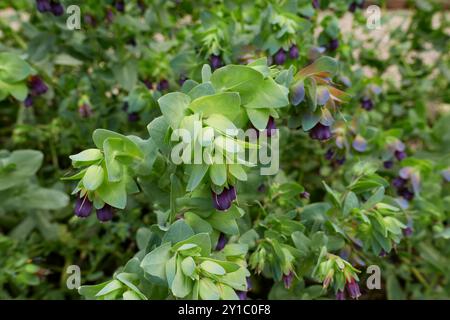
{"points": [[293, 52], [83, 207], [106, 213], [320, 132], [56, 8], [279, 57]]}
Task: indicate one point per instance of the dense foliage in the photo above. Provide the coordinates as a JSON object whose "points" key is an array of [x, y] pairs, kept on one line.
{"points": [[121, 150]]}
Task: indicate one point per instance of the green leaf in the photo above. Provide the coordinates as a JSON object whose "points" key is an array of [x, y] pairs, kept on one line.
{"points": [[202, 89], [93, 177], [206, 73], [212, 267], [221, 124], [335, 196], [226, 292], [218, 174], [268, 94], [154, 263], [258, 117], [238, 172], [309, 120], [324, 65], [351, 201], [13, 68], [201, 239], [225, 103], [224, 222], [181, 284], [177, 232], [129, 147], [242, 79], [87, 156], [174, 107], [113, 147], [126, 74], [114, 194], [208, 290], [188, 266], [374, 199], [197, 172]]}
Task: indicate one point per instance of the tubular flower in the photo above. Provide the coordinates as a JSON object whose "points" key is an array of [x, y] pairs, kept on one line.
{"points": [[83, 207], [320, 132], [293, 52], [223, 200], [279, 57], [106, 213]]}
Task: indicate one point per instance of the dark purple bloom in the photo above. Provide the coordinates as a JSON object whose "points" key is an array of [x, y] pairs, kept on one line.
{"points": [[109, 15], [406, 194], [83, 207], [279, 57], [120, 5], [148, 84], [304, 195], [163, 85], [297, 93], [221, 242], [133, 117], [242, 295], [353, 289], [382, 253], [340, 295], [408, 231], [400, 155], [262, 188], [106, 213], [352, 7], [340, 161], [293, 52], [182, 79], [333, 44], [329, 154], [359, 144], [90, 20], [56, 8], [367, 103], [28, 101], [43, 5], [223, 201], [271, 127], [215, 62], [320, 132], [316, 4], [388, 164], [399, 182], [37, 86], [85, 110], [287, 279]]}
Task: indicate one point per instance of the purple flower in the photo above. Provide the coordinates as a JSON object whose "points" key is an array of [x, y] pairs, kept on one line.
{"points": [[182, 79], [446, 174], [223, 201], [316, 4], [221, 242], [37, 86], [304, 195], [120, 5], [399, 182], [400, 155], [408, 231], [297, 93], [270, 127], [215, 62], [406, 194], [359, 144], [83, 207], [329, 154], [287, 279], [43, 5], [133, 117], [148, 84], [90, 20], [163, 85], [353, 288], [279, 57], [242, 295], [340, 161], [340, 295], [293, 52], [382, 253], [333, 44], [388, 164], [85, 110], [352, 7], [320, 132], [367, 103], [106, 213], [109, 15], [262, 188], [56, 8], [28, 101]]}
